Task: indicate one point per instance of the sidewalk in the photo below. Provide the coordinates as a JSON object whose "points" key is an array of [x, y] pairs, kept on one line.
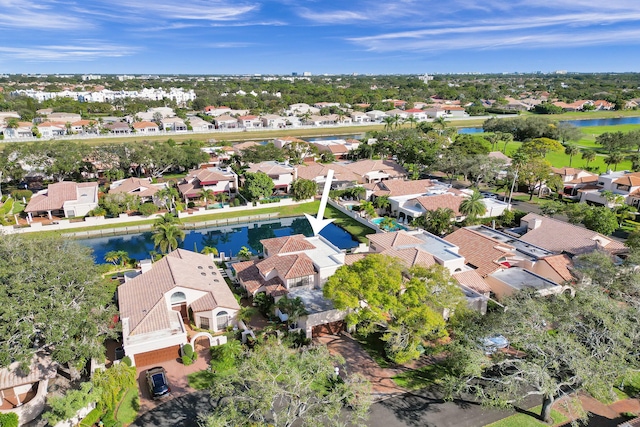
{"points": [[600, 415]]}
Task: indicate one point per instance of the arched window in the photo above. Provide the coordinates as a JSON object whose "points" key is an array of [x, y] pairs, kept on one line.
{"points": [[178, 298], [222, 320]]}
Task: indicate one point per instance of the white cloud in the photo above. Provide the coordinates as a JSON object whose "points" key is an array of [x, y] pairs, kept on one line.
{"points": [[229, 45], [86, 51], [171, 10], [44, 15]]}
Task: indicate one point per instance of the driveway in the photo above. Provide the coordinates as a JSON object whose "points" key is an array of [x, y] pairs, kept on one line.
{"points": [[177, 376], [178, 412]]}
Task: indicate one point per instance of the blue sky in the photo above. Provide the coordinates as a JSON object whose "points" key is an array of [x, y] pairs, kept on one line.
{"points": [[320, 36]]}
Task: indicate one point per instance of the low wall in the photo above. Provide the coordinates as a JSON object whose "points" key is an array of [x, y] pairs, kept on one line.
{"points": [[65, 224], [355, 216], [30, 410]]}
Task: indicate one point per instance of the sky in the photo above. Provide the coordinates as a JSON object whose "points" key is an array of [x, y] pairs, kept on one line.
{"points": [[318, 36]]}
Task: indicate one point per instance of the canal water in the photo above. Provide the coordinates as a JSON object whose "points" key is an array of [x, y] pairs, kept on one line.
{"points": [[227, 240], [578, 123]]}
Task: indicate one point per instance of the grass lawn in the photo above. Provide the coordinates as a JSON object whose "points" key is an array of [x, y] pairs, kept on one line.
{"points": [[356, 229], [422, 377], [630, 389], [524, 420], [201, 380], [374, 346], [127, 411]]}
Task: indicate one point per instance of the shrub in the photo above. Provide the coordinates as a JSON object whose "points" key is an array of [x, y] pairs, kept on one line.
{"points": [[99, 211], [92, 418], [19, 194], [127, 361], [9, 420], [236, 202], [191, 205], [65, 407], [188, 355], [147, 209]]}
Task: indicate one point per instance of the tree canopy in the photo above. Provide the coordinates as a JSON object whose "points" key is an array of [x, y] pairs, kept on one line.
{"points": [[53, 302], [257, 185], [277, 386], [406, 305]]}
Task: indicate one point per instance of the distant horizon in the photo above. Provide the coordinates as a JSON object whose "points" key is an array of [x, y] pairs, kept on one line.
{"points": [[278, 37]]}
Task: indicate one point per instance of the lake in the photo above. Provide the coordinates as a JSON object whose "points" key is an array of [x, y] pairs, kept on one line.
{"points": [[578, 123], [227, 240]]}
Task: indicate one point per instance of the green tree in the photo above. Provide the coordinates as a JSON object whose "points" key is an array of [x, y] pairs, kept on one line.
{"points": [[277, 386], [112, 382], [258, 185], [472, 206], [588, 156], [551, 207], [571, 150], [378, 298], [207, 194], [601, 219], [368, 209], [209, 250], [167, 237], [579, 343], [51, 309], [539, 147], [438, 222], [168, 197], [382, 202], [117, 257], [303, 189], [614, 158], [65, 407], [293, 307], [244, 253], [568, 132], [534, 173]]}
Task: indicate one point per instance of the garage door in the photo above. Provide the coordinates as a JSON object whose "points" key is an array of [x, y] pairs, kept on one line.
{"points": [[156, 357], [333, 328]]}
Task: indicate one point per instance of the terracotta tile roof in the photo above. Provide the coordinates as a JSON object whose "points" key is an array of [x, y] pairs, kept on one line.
{"points": [[192, 183], [83, 122], [139, 186], [559, 236], [559, 264], [479, 250], [400, 238], [41, 368], [287, 266], [411, 256], [471, 279], [247, 117], [398, 187], [204, 303], [144, 125], [313, 170], [584, 179], [631, 180], [362, 167], [249, 276], [271, 168], [59, 193], [286, 244], [142, 299], [350, 259], [431, 203], [500, 156], [225, 118]]}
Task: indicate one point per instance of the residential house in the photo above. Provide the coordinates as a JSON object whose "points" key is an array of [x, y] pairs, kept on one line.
{"points": [[621, 183], [561, 237], [215, 179], [152, 113], [140, 187], [216, 111], [418, 114], [401, 114], [603, 105], [24, 391], [322, 105], [273, 121], [63, 117], [146, 127], [199, 125], [286, 140], [574, 180], [342, 176], [282, 174], [118, 128], [225, 121], [158, 303], [173, 124], [64, 199], [376, 115], [296, 266], [360, 117], [249, 122], [338, 147], [85, 127], [24, 130], [300, 109], [371, 171], [52, 129]]}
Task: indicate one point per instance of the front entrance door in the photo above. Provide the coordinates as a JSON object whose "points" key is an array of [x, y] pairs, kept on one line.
{"points": [[182, 308]]}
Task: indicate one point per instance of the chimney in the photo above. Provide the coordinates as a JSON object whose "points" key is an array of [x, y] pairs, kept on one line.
{"points": [[145, 265], [534, 223]]}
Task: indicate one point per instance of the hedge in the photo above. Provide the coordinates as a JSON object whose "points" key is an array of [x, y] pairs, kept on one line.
{"points": [[9, 420]]}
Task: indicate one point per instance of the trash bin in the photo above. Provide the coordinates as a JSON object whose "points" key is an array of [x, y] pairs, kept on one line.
{"points": [[119, 353]]}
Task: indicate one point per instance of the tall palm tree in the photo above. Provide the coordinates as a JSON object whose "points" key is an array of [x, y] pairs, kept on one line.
{"points": [[614, 158], [223, 197], [411, 120], [167, 218], [207, 194], [382, 202], [588, 156], [472, 206], [388, 122], [167, 237], [209, 250], [571, 150], [441, 123], [244, 253], [117, 257]]}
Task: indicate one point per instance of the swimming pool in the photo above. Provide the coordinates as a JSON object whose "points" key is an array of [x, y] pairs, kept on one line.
{"points": [[394, 227]]}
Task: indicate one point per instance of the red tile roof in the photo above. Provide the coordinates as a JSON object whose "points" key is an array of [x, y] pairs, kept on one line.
{"points": [[250, 277], [59, 193], [447, 201], [479, 250], [559, 264], [286, 244], [384, 241], [287, 266], [471, 279]]}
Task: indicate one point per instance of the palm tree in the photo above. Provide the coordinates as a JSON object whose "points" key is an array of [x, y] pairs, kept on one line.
{"points": [[245, 314], [388, 123], [168, 197], [387, 223], [614, 158], [440, 122], [293, 307], [588, 156], [223, 197], [167, 218], [209, 250], [472, 206], [571, 150], [382, 202], [207, 194], [244, 253], [167, 237], [411, 120], [117, 257]]}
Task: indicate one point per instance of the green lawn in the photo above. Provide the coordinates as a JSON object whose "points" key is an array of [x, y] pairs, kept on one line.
{"points": [[127, 412], [201, 380], [631, 387], [374, 346], [524, 420], [422, 377], [356, 229]]}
